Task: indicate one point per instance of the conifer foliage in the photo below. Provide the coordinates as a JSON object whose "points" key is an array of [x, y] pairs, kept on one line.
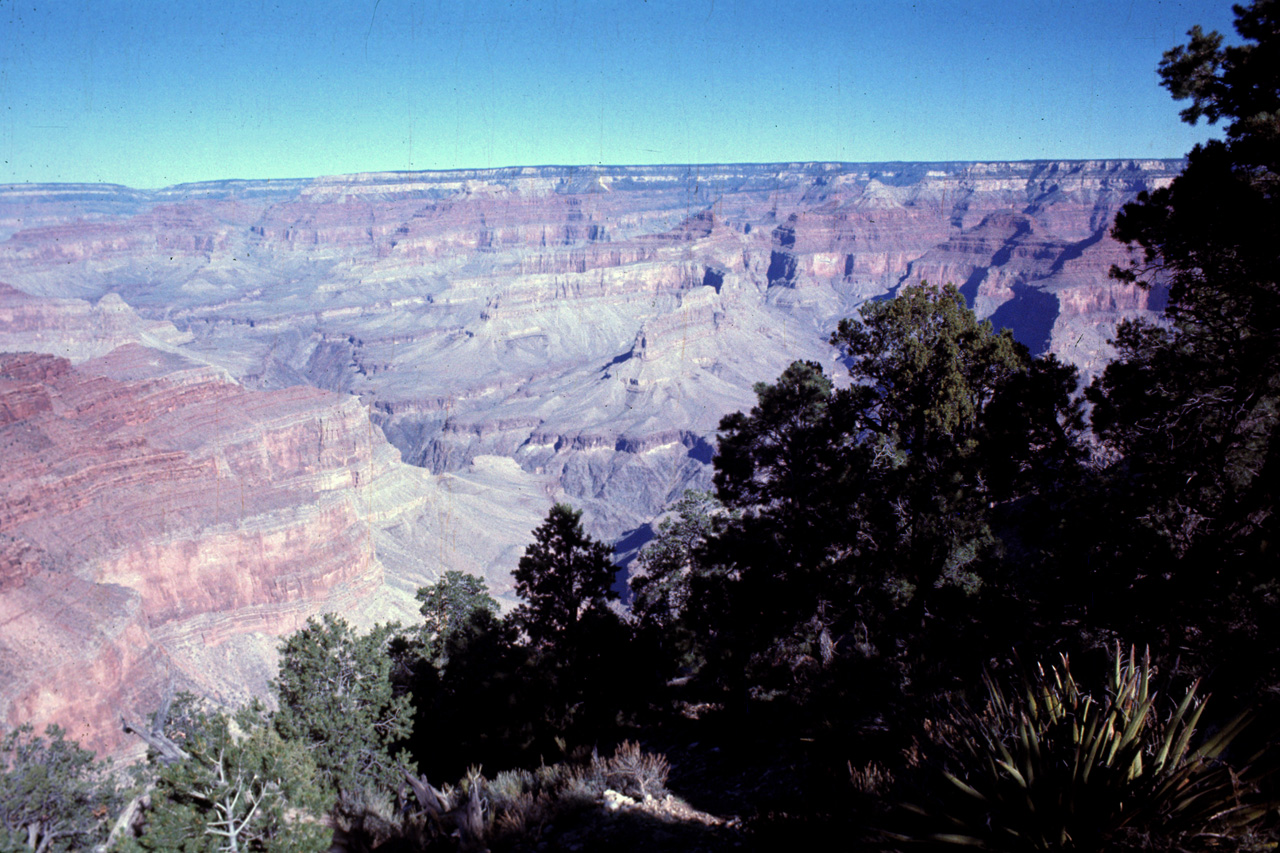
{"points": [[53, 794], [564, 576], [925, 368], [577, 671], [865, 509], [336, 696], [1193, 405], [242, 787], [456, 603]]}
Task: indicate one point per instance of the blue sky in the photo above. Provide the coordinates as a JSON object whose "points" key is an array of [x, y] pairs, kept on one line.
{"points": [[156, 93]]}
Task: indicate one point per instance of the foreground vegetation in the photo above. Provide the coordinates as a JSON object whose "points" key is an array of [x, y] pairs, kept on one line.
{"points": [[959, 601]]}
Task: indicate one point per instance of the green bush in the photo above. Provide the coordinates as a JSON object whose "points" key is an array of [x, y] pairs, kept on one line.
{"points": [[240, 787]]}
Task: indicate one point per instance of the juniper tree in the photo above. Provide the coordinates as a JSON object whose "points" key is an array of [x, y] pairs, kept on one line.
{"points": [[563, 577], [448, 606], [337, 698], [1192, 404], [241, 787], [578, 646], [54, 795], [867, 512], [660, 584]]}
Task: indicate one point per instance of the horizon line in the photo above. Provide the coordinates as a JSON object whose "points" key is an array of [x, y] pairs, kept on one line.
{"points": [[836, 164]]}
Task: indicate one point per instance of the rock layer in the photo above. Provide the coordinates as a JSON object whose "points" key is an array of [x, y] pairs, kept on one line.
{"points": [[562, 317], [155, 497], [160, 525]]}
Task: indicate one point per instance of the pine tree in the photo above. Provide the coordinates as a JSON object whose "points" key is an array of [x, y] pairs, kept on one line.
{"points": [[868, 513], [448, 606], [241, 787], [1192, 404], [577, 671]]}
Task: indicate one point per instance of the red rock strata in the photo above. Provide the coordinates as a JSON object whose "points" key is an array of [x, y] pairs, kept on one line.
{"points": [[150, 508]]}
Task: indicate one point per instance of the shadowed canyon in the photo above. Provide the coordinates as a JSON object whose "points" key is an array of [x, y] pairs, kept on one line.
{"points": [[228, 406]]}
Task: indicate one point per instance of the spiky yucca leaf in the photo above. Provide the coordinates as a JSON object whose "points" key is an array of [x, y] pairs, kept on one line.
{"points": [[1053, 767]]}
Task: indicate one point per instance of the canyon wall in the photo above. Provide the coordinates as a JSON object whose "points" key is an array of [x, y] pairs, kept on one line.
{"points": [[230, 405], [161, 525]]}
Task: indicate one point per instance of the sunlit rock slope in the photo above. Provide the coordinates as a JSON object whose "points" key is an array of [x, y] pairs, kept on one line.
{"points": [[591, 324], [160, 524]]}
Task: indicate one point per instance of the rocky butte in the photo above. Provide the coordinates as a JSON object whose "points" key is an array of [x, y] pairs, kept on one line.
{"points": [[227, 406]]}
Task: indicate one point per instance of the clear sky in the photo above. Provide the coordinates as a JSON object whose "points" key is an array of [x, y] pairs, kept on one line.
{"points": [[155, 92]]}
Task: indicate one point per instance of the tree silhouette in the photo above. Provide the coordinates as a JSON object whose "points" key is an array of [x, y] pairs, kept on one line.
{"points": [[563, 575], [578, 671], [1193, 406], [872, 514]]}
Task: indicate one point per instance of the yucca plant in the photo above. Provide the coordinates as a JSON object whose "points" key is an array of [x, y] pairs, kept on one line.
{"points": [[1052, 767]]}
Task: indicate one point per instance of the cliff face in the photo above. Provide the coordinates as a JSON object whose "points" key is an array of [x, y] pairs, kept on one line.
{"points": [[160, 525], [184, 474], [568, 317], [149, 505]]}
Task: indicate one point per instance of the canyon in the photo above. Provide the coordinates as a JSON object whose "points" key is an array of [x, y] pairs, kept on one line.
{"points": [[228, 406]]}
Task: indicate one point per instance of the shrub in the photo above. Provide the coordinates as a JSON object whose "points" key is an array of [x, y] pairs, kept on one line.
{"points": [[635, 773], [1053, 767], [519, 806], [240, 786], [337, 700]]}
